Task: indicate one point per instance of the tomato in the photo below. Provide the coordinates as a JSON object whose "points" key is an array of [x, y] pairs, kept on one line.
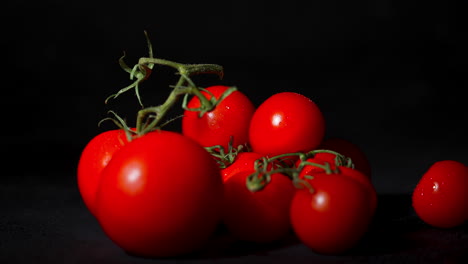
{"points": [[160, 196], [261, 216], [334, 217], [286, 122], [364, 181], [230, 118], [244, 161], [441, 196], [351, 173], [350, 150], [94, 158]]}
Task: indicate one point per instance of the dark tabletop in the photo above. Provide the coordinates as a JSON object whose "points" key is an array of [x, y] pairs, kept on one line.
{"points": [[47, 222]]}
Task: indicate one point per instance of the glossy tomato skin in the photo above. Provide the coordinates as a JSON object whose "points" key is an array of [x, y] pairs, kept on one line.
{"points": [[332, 219], [244, 161], [231, 117], [350, 150], [160, 196], [94, 158], [441, 196], [286, 122], [261, 216]]}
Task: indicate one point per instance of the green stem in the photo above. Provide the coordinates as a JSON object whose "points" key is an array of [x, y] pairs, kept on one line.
{"points": [[340, 160], [185, 69], [262, 175], [161, 110]]}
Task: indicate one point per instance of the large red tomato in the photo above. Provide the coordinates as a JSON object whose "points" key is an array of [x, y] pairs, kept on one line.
{"points": [[441, 197], [334, 216], [286, 122], [94, 158], [230, 118], [160, 196]]}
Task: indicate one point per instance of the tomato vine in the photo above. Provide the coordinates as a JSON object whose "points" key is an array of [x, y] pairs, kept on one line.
{"points": [[263, 171], [149, 118]]}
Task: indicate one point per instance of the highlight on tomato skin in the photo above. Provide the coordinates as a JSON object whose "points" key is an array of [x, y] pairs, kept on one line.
{"points": [[440, 198]]}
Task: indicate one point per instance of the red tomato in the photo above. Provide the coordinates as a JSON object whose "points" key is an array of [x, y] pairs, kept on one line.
{"points": [[94, 158], [160, 196], [284, 123], [345, 172], [231, 117], [333, 218], [365, 181], [245, 161], [441, 197], [350, 150], [261, 216]]}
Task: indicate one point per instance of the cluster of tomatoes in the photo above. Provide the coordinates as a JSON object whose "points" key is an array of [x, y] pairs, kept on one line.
{"points": [[261, 172]]}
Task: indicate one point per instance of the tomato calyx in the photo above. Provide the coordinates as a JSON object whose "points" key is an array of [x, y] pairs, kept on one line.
{"points": [[225, 158], [150, 118], [266, 167], [206, 105]]}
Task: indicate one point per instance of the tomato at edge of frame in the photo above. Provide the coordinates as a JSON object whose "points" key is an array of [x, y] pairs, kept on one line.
{"points": [[332, 219], [261, 216], [286, 122], [94, 158], [230, 118], [440, 198], [155, 202]]}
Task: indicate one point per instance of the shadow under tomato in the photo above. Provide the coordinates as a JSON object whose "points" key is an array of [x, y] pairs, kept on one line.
{"points": [[224, 245]]}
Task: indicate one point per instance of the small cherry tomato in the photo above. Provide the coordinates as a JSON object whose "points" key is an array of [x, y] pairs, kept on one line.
{"points": [[286, 122], [441, 196], [94, 158], [333, 217], [230, 118]]}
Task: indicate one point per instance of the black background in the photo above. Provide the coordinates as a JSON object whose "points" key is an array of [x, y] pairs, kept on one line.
{"points": [[388, 75]]}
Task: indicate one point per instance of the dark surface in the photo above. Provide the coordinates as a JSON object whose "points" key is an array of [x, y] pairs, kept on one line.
{"points": [[48, 223]]}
